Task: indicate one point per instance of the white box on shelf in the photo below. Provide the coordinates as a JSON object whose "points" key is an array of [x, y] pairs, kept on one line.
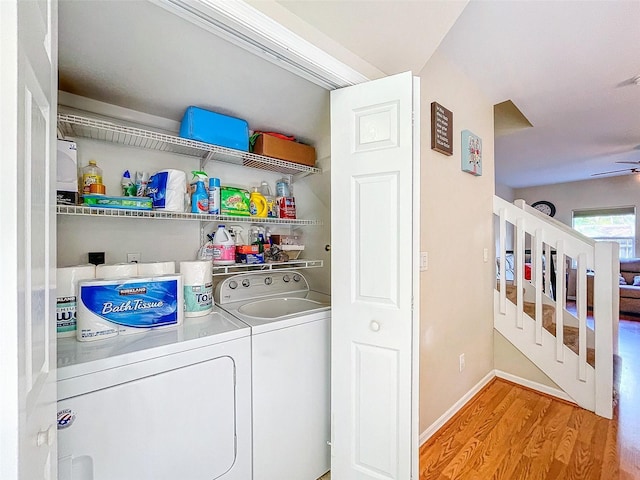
{"points": [[67, 173]]}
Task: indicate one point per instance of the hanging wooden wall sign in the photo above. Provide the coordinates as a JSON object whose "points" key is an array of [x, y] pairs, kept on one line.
{"points": [[441, 129]]}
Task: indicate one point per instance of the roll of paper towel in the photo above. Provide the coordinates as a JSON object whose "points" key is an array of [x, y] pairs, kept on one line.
{"points": [[156, 268], [198, 287], [66, 296], [167, 189], [117, 270]]}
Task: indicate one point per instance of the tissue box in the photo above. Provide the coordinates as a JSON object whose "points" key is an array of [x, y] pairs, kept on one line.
{"points": [[288, 150], [67, 173], [215, 128]]}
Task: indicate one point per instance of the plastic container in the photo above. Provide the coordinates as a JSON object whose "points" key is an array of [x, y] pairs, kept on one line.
{"points": [[258, 204], [265, 190], [214, 196], [215, 128], [92, 173], [283, 189], [224, 247]]}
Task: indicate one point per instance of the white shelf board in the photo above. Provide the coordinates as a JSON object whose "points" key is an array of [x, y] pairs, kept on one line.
{"points": [[84, 127], [160, 215], [264, 267]]}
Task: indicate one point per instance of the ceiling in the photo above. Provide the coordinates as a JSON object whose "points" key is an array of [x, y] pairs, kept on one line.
{"points": [[567, 66]]}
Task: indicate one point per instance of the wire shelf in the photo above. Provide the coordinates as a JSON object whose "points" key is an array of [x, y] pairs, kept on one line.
{"points": [[264, 267], [160, 215], [84, 127]]}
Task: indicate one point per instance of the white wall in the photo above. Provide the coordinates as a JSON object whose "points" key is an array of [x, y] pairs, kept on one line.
{"points": [[456, 298]]}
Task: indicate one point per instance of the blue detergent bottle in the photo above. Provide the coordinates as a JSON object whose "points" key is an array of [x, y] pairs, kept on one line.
{"points": [[199, 197]]}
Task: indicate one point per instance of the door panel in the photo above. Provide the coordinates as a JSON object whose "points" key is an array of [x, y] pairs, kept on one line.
{"points": [[28, 85], [383, 191], [373, 240]]}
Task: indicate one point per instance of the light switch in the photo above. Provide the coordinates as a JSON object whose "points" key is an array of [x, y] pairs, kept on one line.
{"points": [[485, 255], [424, 261]]}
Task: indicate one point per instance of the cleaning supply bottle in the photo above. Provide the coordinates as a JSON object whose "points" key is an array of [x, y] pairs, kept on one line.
{"points": [[214, 196], [206, 250], [257, 204], [224, 247], [128, 187], [92, 173], [265, 190], [199, 197]]}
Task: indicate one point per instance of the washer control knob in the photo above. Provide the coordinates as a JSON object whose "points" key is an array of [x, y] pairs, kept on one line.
{"points": [[233, 284], [246, 282], [286, 278], [374, 326], [268, 280], [297, 278]]}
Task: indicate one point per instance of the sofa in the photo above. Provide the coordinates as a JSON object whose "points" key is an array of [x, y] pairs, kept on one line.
{"points": [[629, 293]]}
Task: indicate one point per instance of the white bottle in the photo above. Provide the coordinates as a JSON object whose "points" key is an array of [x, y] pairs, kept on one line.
{"points": [[224, 247]]}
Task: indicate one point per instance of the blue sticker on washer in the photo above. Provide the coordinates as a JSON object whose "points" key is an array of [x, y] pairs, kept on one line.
{"points": [[66, 418]]}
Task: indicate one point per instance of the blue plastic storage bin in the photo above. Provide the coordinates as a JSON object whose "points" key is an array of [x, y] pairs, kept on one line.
{"points": [[215, 128]]}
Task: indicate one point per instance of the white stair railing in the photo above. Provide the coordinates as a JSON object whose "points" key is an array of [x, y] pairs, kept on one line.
{"points": [[591, 387]]}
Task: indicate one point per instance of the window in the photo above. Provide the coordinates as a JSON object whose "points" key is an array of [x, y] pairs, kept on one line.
{"points": [[609, 224]]}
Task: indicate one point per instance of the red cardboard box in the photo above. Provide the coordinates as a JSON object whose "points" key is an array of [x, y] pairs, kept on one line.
{"points": [[288, 150]]}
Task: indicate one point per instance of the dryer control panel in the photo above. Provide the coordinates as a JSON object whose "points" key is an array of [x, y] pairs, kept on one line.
{"points": [[256, 285]]}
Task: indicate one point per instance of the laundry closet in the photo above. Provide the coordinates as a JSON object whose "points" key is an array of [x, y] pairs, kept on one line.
{"points": [[127, 72]]}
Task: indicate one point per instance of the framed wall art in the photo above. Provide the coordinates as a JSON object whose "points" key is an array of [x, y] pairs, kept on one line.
{"points": [[471, 148]]}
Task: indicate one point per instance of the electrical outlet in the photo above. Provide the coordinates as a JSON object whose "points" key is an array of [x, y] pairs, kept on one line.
{"points": [[133, 258], [461, 362]]}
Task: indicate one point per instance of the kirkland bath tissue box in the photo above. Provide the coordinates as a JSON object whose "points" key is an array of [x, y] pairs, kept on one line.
{"points": [[67, 173], [107, 308]]}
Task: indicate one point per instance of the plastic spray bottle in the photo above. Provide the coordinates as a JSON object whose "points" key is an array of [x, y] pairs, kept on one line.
{"points": [[199, 197], [128, 187]]}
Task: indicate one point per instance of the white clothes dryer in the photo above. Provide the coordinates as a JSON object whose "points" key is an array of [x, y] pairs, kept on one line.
{"points": [[290, 348], [163, 405]]}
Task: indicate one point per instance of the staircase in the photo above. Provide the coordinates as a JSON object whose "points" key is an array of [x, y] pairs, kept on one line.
{"points": [[532, 314]]}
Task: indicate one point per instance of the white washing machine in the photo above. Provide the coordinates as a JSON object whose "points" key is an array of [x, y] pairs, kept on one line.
{"points": [[290, 349], [166, 404]]}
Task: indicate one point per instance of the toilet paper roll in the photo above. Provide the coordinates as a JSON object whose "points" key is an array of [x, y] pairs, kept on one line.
{"points": [[117, 270], [66, 296], [198, 287], [156, 268]]}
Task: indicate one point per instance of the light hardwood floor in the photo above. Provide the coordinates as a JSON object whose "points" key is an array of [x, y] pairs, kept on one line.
{"points": [[507, 432]]}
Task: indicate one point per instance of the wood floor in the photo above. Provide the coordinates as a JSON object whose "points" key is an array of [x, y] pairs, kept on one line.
{"points": [[507, 432]]}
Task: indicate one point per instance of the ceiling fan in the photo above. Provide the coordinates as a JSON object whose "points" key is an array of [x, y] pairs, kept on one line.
{"points": [[630, 170]]}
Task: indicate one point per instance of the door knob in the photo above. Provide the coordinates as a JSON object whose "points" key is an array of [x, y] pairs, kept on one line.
{"points": [[374, 326]]}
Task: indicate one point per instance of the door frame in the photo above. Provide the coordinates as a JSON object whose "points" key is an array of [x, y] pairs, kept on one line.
{"points": [[9, 378]]}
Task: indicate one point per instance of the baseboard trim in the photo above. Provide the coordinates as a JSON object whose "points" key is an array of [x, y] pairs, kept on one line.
{"points": [[455, 408], [554, 392]]}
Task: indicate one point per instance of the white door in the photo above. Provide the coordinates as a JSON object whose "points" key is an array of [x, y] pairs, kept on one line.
{"points": [[28, 92], [374, 182]]}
